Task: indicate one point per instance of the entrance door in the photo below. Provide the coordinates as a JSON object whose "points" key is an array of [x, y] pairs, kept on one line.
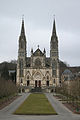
{"points": [[36, 83], [47, 82], [39, 83]]}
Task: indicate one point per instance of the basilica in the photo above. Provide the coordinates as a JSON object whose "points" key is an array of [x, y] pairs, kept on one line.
{"points": [[38, 70]]}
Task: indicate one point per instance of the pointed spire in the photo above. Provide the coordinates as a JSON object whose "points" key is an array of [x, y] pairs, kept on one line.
{"points": [[22, 28], [44, 51], [54, 28], [31, 50]]}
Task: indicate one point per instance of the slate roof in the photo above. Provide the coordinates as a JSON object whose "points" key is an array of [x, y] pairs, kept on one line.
{"points": [[69, 75], [67, 72]]}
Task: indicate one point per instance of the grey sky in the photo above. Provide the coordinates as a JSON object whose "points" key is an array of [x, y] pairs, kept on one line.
{"points": [[38, 16]]}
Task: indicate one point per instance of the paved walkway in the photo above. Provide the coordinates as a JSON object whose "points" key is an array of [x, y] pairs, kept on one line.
{"points": [[63, 112]]}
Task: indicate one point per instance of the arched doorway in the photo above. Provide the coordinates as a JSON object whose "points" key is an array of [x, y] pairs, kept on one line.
{"points": [[37, 79]]}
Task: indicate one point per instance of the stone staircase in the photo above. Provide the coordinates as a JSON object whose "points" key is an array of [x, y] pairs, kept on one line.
{"points": [[36, 89]]}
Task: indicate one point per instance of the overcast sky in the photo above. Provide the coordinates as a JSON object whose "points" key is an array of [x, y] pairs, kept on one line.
{"points": [[38, 17]]}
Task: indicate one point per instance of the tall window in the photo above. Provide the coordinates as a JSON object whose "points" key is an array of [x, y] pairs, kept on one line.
{"points": [[54, 64], [54, 81], [22, 44], [21, 81], [28, 82], [47, 83], [21, 67], [54, 72]]}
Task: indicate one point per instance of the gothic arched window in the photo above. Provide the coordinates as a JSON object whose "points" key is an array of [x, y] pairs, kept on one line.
{"points": [[47, 77], [21, 81], [47, 83], [28, 77], [54, 81], [21, 43], [54, 64], [54, 72], [28, 82], [21, 67]]}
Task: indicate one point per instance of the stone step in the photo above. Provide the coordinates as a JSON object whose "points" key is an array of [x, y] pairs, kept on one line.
{"points": [[36, 89]]}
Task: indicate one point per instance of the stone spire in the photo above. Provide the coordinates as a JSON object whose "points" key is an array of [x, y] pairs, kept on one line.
{"points": [[22, 28], [44, 51], [54, 41], [22, 38], [54, 28]]}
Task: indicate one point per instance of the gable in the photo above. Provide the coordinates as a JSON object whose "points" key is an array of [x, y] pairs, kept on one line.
{"points": [[38, 52]]}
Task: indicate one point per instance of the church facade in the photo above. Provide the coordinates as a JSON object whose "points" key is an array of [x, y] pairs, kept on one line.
{"points": [[38, 70]]}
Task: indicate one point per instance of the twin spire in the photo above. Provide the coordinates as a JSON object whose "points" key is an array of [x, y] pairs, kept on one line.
{"points": [[23, 29]]}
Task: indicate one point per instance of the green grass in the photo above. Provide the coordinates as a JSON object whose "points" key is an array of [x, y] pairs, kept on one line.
{"points": [[36, 104]]}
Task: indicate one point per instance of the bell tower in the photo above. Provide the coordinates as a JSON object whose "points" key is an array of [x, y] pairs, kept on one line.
{"points": [[21, 63], [54, 55]]}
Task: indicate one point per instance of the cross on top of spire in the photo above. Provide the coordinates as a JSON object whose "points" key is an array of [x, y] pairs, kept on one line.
{"points": [[23, 17], [38, 46]]}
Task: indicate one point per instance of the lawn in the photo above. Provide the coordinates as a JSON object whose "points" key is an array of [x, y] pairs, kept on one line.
{"points": [[36, 104]]}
